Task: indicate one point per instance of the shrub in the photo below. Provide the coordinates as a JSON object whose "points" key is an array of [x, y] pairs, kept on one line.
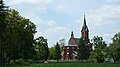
{"points": [[92, 60], [100, 60], [19, 61], [12, 62], [29, 61]]}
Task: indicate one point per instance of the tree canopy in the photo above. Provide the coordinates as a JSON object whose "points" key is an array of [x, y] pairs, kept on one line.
{"points": [[83, 50], [57, 52]]}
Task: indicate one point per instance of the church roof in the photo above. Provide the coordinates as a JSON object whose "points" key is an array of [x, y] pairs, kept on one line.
{"points": [[73, 41], [77, 39]]}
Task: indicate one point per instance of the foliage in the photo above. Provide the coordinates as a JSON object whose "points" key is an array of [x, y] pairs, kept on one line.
{"points": [[98, 42], [113, 50], [21, 31], [3, 14], [52, 51], [83, 51], [42, 52], [93, 56], [98, 53], [16, 35], [57, 53], [62, 42]]}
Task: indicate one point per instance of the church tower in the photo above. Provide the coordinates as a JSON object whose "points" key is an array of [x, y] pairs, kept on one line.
{"points": [[85, 31]]}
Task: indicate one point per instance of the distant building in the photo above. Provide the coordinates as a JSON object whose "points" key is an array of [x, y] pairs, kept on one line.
{"points": [[70, 51]]}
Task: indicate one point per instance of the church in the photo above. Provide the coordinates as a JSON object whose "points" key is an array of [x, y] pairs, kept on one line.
{"points": [[70, 50]]}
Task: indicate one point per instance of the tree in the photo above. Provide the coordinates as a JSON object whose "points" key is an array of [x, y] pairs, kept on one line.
{"points": [[114, 48], [18, 37], [98, 42], [61, 43], [57, 52], [83, 51], [41, 49], [27, 35], [116, 39], [3, 14], [99, 46], [52, 51]]}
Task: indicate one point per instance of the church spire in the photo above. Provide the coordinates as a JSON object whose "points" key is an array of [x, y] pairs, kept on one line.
{"points": [[72, 34], [84, 24], [85, 31]]}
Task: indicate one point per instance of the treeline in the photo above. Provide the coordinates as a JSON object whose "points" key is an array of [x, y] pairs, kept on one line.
{"points": [[101, 52], [104, 51], [17, 38]]}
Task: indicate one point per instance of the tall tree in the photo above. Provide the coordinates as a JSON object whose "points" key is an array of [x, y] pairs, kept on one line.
{"points": [[62, 42], [83, 51], [116, 39], [16, 35], [52, 51], [27, 34], [114, 48], [19, 36], [42, 49], [3, 14], [57, 52], [99, 46], [98, 42]]}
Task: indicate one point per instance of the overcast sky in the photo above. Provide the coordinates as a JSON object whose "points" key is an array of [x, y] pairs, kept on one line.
{"points": [[55, 19]]}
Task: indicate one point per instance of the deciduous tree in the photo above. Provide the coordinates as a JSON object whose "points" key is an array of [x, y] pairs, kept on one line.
{"points": [[41, 48]]}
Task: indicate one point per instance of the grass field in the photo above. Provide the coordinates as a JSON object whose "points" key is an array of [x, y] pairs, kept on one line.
{"points": [[67, 65]]}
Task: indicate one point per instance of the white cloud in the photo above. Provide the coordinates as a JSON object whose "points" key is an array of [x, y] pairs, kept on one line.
{"points": [[30, 8], [108, 37], [106, 14], [54, 34], [40, 22], [113, 1], [13, 2], [103, 21], [51, 22], [60, 8], [99, 17]]}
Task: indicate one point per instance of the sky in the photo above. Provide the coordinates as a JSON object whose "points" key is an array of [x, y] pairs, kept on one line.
{"points": [[55, 19]]}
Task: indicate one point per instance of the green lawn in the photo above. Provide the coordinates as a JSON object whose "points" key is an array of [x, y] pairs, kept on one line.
{"points": [[68, 65]]}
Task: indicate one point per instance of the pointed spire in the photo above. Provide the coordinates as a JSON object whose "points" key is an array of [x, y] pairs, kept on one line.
{"points": [[84, 24], [72, 34]]}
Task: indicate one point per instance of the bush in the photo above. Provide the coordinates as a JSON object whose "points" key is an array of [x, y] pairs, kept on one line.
{"points": [[92, 60], [68, 61], [100, 60], [52, 61], [29, 60], [39, 61], [19, 61], [12, 62]]}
